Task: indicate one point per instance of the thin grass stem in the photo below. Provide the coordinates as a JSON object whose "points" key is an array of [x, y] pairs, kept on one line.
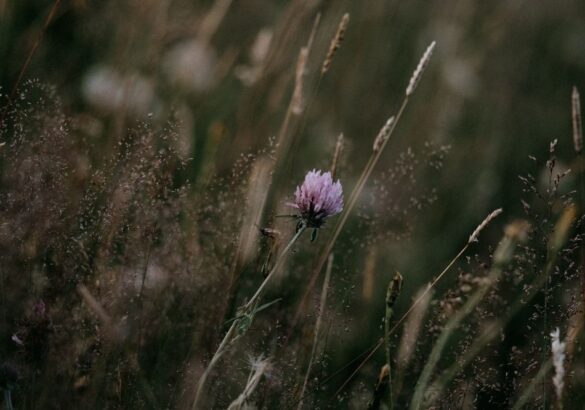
{"points": [[529, 390], [391, 295], [324, 292], [502, 256], [232, 333], [493, 329]]}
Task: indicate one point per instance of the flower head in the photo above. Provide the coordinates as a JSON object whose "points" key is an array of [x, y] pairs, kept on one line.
{"points": [[318, 198]]}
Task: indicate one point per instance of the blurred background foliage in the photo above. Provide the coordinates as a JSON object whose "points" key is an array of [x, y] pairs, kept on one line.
{"points": [[211, 81]]}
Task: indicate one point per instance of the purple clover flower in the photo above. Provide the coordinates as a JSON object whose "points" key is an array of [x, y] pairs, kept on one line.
{"points": [[318, 198]]}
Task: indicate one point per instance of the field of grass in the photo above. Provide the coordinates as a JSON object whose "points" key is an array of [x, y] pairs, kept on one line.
{"points": [[302, 204]]}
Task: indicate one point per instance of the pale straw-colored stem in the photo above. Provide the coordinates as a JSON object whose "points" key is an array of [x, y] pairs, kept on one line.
{"points": [[324, 291], [429, 288], [231, 333]]}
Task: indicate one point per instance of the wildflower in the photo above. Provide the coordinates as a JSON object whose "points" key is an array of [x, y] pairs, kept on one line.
{"points": [[317, 199]]}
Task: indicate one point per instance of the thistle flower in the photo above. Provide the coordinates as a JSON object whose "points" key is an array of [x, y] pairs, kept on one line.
{"points": [[317, 199]]}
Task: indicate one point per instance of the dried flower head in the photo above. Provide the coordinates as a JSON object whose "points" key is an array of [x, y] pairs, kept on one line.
{"points": [[318, 198], [474, 236], [422, 65], [335, 43]]}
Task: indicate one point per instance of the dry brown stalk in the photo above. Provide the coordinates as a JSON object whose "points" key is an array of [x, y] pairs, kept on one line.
{"points": [[420, 69], [336, 155], [212, 20], [474, 236], [383, 135], [335, 43]]}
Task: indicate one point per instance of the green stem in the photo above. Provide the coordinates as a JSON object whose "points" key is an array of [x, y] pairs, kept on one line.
{"points": [[492, 330], [430, 287], [231, 334], [410, 309], [8, 400], [527, 392], [421, 386], [502, 256]]}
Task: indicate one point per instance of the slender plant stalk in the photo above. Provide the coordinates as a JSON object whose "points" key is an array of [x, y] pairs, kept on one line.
{"points": [[8, 400], [32, 51], [380, 389], [391, 295], [502, 256], [357, 369], [410, 334], [472, 238], [529, 390], [387, 131], [324, 292], [283, 144], [370, 165], [492, 330], [212, 20], [450, 327], [404, 316], [256, 373], [578, 146], [232, 333], [429, 288]]}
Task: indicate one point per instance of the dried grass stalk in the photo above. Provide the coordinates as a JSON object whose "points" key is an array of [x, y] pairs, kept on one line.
{"points": [[383, 135], [394, 288], [337, 155], [212, 20], [412, 329], [259, 367], [380, 389], [368, 281], [255, 201], [475, 235], [335, 43], [424, 396], [296, 104], [297, 98], [577, 125], [420, 69]]}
